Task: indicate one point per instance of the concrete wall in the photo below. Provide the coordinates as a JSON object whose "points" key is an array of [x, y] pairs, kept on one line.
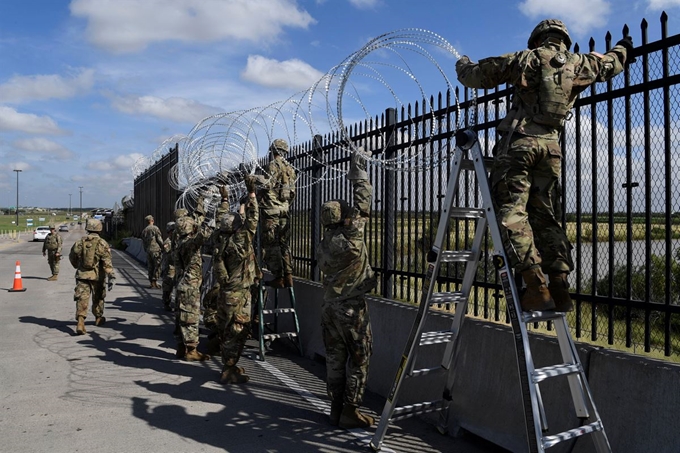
{"points": [[637, 398], [135, 248]]}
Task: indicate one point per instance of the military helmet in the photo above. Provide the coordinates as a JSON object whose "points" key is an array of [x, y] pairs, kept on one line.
{"points": [[180, 212], [185, 225], [333, 212], [148, 218], [93, 225], [279, 146], [170, 226], [549, 26], [230, 222]]}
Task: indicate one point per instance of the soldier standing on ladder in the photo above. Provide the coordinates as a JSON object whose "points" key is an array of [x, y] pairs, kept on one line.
{"points": [[525, 179]]}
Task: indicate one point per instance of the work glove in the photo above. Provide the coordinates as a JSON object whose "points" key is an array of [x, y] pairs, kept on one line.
{"points": [[461, 63], [111, 282], [626, 42], [357, 166], [250, 181], [224, 192]]}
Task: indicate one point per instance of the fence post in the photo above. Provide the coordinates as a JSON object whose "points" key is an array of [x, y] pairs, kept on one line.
{"points": [[389, 198], [317, 150]]}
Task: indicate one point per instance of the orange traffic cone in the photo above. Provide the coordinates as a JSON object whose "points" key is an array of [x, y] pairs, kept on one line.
{"points": [[17, 280]]}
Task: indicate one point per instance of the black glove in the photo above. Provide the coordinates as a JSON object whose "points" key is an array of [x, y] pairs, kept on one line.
{"points": [[626, 42], [111, 283]]}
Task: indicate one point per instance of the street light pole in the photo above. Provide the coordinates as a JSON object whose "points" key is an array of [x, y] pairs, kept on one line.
{"points": [[69, 205], [17, 210], [81, 204]]}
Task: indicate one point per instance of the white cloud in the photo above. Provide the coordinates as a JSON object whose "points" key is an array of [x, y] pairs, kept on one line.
{"points": [[295, 74], [364, 4], [663, 4], [579, 15], [174, 109], [11, 120], [44, 146], [118, 163], [11, 166], [40, 87], [131, 25]]}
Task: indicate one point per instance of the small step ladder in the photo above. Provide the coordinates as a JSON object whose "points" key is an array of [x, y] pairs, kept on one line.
{"points": [[530, 377], [271, 328]]}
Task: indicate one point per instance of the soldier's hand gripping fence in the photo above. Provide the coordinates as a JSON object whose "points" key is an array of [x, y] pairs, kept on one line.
{"points": [[530, 377]]}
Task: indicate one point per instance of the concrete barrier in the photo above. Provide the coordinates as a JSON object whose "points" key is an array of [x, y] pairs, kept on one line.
{"points": [[637, 398], [135, 248]]}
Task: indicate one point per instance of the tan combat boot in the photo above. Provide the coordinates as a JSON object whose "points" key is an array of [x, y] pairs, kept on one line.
{"points": [[336, 411], [52, 278], [80, 328], [288, 281], [100, 321], [537, 297], [192, 355], [559, 290], [351, 417], [233, 375]]}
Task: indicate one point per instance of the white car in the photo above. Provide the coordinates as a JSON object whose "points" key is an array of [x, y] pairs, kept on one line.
{"points": [[40, 233]]}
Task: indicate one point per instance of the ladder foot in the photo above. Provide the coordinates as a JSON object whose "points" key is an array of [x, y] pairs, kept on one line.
{"points": [[374, 447]]}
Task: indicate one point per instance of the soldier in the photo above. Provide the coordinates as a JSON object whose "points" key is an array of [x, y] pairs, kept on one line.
{"points": [[91, 257], [525, 180], [343, 258], [192, 234], [52, 248], [236, 273], [153, 246], [276, 194], [167, 266]]}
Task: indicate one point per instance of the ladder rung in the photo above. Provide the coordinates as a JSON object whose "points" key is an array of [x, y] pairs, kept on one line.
{"points": [[424, 371], [549, 441], [555, 370], [456, 256], [466, 213], [273, 336], [428, 338], [447, 298], [537, 316], [411, 410], [278, 310]]}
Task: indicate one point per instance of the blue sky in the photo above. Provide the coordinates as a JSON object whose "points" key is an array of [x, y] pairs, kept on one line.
{"points": [[88, 87]]}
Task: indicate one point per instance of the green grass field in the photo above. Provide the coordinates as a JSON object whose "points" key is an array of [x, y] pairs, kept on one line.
{"points": [[7, 221]]}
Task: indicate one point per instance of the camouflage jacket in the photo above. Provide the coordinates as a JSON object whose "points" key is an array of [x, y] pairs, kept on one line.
{"points": [[188, 258], [91, 257], [524, 70], [52, 243], [235, 263], [279, 189], [152, 238], [167, 265], [343, 256]]}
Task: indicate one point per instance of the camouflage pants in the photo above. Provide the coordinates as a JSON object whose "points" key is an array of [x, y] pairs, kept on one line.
{"points": [[168, 285], [86, 289], [53, 261], [210, 304], [233, 321], [349, 343], [527, 197], [153, 263], [188, 302], [275, 237]]}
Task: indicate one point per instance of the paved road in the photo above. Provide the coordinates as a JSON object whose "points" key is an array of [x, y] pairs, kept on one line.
{"points": [[120, 389]]}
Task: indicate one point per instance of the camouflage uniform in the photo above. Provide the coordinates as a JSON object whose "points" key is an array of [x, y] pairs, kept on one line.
{"points": [[528, 158], [91, 257], [274, 199], [188, 261], [168, 268], [153, 246], [211, 297], [236, 271], [343, 259], [52, 247]]}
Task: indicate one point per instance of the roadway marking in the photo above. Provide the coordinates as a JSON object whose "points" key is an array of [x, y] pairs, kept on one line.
{"points": [[361, 435]]}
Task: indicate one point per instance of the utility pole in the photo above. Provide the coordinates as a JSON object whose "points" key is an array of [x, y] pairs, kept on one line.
{"points": [[17, 210], [69, 205], [81, 204]]}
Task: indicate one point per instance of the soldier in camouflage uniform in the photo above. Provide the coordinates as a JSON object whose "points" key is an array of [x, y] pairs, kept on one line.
{"points": [[192, 234], [168, 266], [153, 246], [236, 272], [52, 248], [525, 179], [343, 259], [91, 257], [277, 191]]}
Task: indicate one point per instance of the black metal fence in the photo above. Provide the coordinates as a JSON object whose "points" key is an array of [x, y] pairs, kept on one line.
{"points": [[621, 198]]}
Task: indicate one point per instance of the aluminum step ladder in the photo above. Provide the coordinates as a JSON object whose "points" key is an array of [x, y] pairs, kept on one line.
{"points": [[530, 377], [268, 327]]}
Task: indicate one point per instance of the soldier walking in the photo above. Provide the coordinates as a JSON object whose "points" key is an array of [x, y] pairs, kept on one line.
{"points": [[525, 178], [52, 248], [91, 257], [153, 246], [348, 276]]}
